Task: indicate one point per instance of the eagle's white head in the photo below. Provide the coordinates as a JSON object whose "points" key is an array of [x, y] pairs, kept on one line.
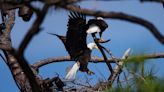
{"points": [[100, 18], [92, 46]]}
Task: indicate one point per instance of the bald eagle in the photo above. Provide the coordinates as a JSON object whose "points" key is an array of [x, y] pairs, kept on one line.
{"points": [[75, 41]]}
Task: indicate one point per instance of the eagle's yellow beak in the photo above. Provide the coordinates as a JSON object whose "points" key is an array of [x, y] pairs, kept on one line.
{"points": [[95, 46], [101, 40]]}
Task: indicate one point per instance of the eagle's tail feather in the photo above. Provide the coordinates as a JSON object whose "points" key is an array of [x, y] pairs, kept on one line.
{"points": [[72, 72]]}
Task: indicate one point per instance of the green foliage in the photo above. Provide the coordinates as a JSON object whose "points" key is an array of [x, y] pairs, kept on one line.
{"points": [[138, 78], [147, 86]]}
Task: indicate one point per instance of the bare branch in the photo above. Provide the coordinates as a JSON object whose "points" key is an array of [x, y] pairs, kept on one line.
{"points": [[19, 54], [118, 68], [153, 56], [33, 31], [93, 59], [66, 59]]}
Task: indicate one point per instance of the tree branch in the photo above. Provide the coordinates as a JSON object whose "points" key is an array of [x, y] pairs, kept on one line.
{"points": [[33, 31], [20, 53], [118, 68], [93, 59]]}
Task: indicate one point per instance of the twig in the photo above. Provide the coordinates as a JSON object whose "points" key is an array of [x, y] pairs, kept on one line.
{"points": [[118, 68]]}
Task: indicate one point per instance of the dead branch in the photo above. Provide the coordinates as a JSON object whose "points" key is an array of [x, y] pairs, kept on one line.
{"points": [[19, 54], [33, 30], [118, 68], [93, 59], [66, 59], [153, 56]]}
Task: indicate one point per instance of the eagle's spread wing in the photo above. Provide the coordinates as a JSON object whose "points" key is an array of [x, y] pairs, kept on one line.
{"points": [[76, 34]]}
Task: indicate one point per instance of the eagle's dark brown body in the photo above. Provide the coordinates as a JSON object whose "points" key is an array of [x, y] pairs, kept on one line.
{"points": [[83, 57]]}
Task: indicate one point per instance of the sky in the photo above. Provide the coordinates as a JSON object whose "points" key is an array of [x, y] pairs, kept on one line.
{"points": [[123, 35]]}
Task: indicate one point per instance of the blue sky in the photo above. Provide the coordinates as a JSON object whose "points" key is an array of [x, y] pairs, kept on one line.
{"points": [[123, 35]]}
